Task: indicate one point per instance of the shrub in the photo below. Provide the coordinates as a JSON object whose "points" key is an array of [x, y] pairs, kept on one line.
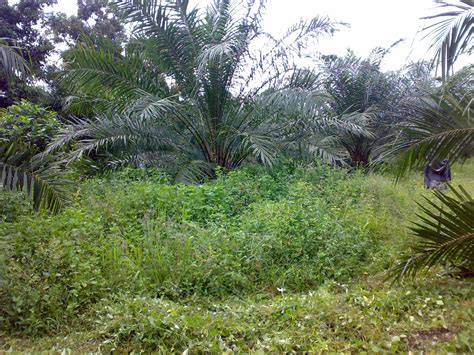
{"points": [[28, 123]]}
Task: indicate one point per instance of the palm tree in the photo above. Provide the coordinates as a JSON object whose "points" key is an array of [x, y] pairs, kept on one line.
{"points": [[359, 94], [450, 35], [187, 88]]}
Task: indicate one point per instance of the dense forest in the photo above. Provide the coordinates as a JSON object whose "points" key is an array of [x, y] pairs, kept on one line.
{"points": [[176, 179]]}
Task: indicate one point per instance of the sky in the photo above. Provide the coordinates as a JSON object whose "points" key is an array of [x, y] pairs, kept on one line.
{"points": [[373, 23]]}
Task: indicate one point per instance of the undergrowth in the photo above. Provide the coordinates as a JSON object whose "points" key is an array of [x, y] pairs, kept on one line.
{"points": [[274, 261]]}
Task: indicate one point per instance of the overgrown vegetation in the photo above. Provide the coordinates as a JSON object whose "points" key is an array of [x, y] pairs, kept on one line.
{"points": [[144, 264], [190, 186]]}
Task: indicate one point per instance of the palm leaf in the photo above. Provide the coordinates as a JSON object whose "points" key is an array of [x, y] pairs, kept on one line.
{"points": [[41, 178], [261, 147], [440, 126], [111, 80], [445, 232], [113, 133], [450, 34], [11, 60]]}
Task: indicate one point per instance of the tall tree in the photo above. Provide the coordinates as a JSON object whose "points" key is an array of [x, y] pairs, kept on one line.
{"points": [[94, 19], [40, 33]]}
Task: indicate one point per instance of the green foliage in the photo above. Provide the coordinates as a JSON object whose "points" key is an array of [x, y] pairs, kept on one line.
{"points": [[129, 175], [13, 205], [52, 271], [28, 123], [245, 232], [21, 28], [250, 261]]}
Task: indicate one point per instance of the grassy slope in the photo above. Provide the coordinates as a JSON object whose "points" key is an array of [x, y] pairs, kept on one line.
{"points": [[364, 313]]}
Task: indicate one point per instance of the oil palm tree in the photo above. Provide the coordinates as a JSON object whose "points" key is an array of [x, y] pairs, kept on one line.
{"points": [[187, 88], [357, 92], [311, 129]]}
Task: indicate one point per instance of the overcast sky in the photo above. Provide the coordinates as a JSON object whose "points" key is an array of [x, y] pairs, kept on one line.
{"points": [[372, 23]]}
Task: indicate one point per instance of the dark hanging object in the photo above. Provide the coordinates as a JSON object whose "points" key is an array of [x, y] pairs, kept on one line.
{"points": [[437, 175]]}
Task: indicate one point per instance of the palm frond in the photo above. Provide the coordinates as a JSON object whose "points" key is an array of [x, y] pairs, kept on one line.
{"points": [[261, 147], [40, 178], [446, 234], [11, 60], [109, 79], [450, 34], [439, 127], [328, 149], [113, 133]]}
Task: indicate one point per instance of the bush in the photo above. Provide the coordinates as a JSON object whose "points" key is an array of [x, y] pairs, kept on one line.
{"points": [[29, 123]]}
